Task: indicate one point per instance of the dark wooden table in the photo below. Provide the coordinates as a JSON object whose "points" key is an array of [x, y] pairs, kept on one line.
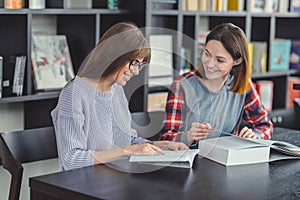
{"points": [[206, 180]]}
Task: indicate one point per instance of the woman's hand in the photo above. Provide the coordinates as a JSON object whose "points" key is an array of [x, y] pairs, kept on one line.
{"points": [[246, 133], [168, 145], [175, 146], [142, 149], [198, 131]]}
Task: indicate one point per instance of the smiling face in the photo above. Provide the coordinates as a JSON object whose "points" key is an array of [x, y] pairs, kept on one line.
{"points": [[126, 73], [216, 60]]}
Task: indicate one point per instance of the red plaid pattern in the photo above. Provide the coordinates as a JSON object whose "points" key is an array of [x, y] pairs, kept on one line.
{"points": [[255, 115]]}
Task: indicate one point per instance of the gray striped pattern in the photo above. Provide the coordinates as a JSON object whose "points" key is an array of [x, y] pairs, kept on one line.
{"points": [[86, 121]]}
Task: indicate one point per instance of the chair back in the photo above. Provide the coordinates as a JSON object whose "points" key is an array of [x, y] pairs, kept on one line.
{"points": [[148, 124], [22, 147]]}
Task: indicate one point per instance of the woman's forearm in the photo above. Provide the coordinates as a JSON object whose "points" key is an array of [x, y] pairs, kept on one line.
{"points": [[101, 157]]}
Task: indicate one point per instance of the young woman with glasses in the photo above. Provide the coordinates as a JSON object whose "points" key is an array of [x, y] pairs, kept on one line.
{"points": [[92, 120], [218, 96]]}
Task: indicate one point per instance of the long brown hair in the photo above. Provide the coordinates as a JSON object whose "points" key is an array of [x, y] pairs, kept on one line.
{"points": [[235, 42], [119, 44]]}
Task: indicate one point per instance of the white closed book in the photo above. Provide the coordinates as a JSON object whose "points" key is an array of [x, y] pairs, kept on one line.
{"points": [[233, 150]]}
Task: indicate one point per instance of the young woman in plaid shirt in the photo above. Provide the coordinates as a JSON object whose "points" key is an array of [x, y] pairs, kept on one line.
{"points": [[218, 96]]}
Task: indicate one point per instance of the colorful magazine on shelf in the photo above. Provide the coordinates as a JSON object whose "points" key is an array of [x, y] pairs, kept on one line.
{"points": [[51, 62]]}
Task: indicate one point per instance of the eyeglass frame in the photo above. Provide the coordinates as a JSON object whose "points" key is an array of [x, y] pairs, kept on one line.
{"points": [[139, 66]]}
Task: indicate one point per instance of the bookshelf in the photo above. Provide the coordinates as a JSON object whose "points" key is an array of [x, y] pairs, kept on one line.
{"points": [[82, 27], [258, 26]]}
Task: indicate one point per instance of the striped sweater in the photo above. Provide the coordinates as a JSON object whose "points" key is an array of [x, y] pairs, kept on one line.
{"points": [[86, 120]]}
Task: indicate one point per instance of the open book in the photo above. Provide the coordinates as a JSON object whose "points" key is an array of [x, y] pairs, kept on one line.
{"points": [[232, 150], [183, 158]]}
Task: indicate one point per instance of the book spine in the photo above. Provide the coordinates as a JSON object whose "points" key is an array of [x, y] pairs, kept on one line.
{"points": [[21, 76], [13, 4], [292, 93], [265, 91], [15, 88], [37, 4]]}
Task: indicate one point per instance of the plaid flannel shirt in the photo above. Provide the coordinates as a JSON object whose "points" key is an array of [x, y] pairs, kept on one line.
{"points": [[254, 114]]}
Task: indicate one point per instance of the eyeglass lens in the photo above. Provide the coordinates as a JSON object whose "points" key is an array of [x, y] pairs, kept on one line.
{"points": [[137, 65]]}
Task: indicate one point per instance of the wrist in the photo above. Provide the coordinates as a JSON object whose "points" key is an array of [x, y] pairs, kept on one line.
{"points": [[124, 151], [150, 142]]}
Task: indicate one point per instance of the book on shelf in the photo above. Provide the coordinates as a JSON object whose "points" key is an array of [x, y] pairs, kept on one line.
{"points": [[37, 4], [51, 62], [13, 4], [292, 93], [201, 37], [1, 75], [295, 55], [250, 61], [265, 91], [19, 74], [212, 5], [236, 5], [295, 6], [271, 6], [259, 57], [283, 6], [258, 5], [221, 5], [182, 158], [161, 64], [265, 6], [183, 5], [280, 54], [8, 70], [192, 5], [233, 150], [185, 60], [78, 4]]}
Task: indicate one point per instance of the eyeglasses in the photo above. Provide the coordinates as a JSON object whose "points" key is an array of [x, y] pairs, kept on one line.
{"points": [[136, 65]]}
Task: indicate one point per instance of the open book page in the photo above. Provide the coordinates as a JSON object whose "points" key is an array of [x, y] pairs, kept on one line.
{"points": [[183, 158], [280, 146]]}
